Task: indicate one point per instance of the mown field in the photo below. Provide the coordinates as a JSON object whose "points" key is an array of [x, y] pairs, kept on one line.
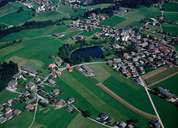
{"points": [[161, 76], [170, 7], [102, 102], [134, 16], [168, 113], [170, 28], [170, 84], [112, 21]]}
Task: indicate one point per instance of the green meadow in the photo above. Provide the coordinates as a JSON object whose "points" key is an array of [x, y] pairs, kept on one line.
{"points": [[170, 28], [170, 84], [101, 101], [170, 7], [168, 112], [16, 18], [112, 21]]}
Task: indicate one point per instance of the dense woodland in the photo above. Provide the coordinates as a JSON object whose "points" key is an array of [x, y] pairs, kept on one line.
{"points": [[7, 70]]}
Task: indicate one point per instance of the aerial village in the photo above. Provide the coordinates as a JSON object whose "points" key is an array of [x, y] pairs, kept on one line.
{"points": [[144, 51]]}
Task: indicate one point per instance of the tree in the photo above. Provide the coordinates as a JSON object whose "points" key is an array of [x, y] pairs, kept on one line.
{"points": [[7, 70]]}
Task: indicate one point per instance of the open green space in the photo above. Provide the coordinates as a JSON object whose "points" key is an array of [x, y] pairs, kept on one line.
{"points": [[34, 33], [128, 93], [16, 18], [134, 16], [170, 28], [90, 33], [50, 117], [83, 123], [161, 75], [52, 15], [170, 84], [6, 95], [102, 101], [168, 112], [170, 7], [112, 21], [40, 49], [9, 8], [101, 6], [173, 16], [21, 121], [81, 102]]}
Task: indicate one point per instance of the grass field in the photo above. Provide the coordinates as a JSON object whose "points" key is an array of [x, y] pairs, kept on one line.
{"points": [[54, 118], [133, 17], [167, 112], [97, 98], [112, 21], [128, 93], [170, 84], [15, 18], [84, 123], [48, 16], [171, 7], [173, 16], [161, 75], [37, 50], [90, 33], [34, 33], [170, 28], [102, 6], [9, 8], [22, 121], [5, 95]]}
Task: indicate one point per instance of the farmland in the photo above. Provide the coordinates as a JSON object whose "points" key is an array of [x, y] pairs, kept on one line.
{"points": [[161, 76], [113, 21]]}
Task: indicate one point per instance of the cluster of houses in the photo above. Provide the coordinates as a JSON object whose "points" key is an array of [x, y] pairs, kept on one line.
{"points": [[137, 53], [86, 70], [92, 22], [39, 5], [7, 112], [72, 3], [105, 119], [166, 94]]}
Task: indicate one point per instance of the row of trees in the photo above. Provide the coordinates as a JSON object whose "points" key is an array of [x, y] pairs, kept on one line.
{"points": [[28, 25], [7, 70]]}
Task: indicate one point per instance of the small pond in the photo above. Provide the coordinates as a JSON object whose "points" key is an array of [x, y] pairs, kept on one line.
{"points": [[86, 54]]}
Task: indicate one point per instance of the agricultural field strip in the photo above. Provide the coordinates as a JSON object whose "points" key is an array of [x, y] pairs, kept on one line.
{"points": [[91, 119], [159, 72], [153, 73], [125, 103], [171, 75]]}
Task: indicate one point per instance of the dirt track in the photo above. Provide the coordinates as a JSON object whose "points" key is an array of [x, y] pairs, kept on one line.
{"points": [[126, 104]]}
